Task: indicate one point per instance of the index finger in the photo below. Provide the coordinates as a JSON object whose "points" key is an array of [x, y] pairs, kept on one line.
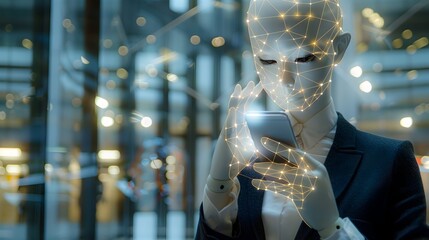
{"points": [[277, 147], [235, 95], [293, 155]]}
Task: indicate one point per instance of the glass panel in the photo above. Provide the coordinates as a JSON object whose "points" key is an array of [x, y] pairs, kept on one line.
{"points": [[391, 71], [21, 163], [110, 110]]}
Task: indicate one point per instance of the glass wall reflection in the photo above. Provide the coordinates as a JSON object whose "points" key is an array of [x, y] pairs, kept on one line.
{"points": [[109, 109]]}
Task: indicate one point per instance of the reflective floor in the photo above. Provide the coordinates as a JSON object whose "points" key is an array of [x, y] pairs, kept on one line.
{"points": [[145, 228]]}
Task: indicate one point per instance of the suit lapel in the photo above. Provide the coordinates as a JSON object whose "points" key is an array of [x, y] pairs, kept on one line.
{"points": [[343, 159], [341, 163]]}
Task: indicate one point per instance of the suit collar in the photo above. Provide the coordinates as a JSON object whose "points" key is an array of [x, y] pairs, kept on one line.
{"points": [[345, 136], [315, 128]]}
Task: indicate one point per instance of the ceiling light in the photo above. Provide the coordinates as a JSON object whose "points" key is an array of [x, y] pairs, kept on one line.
{"points": [[13, 169], [101, 102], [421, 42], [411, 49], [195, 40], [397, 43], [10, 152], [366, 87], [109, 155], [413, 74], [407, 34], [218, 42], [356, 71], [172, 77], [113, 170], [146, 122], [141, 21], [406, 122], [156, 164], [366, 12], [107, 121]]}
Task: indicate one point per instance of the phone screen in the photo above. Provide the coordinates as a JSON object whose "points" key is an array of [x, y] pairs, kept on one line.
{"points": [[275, 125]]}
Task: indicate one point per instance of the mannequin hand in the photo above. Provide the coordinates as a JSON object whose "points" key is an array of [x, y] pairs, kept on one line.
{"points": [[234, 148], [302, 179]]}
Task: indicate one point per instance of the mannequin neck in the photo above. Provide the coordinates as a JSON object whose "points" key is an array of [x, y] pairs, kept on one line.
{"points": [[316, 107]]}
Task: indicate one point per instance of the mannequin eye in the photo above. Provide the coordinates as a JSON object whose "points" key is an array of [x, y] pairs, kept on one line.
{"points": [[308, 58], [267, 62]]}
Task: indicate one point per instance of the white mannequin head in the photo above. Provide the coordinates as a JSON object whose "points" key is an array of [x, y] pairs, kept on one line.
{"points": [[296, 45]]}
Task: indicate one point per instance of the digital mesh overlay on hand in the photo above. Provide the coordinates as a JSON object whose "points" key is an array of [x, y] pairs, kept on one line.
{"points": [[293, 49]]}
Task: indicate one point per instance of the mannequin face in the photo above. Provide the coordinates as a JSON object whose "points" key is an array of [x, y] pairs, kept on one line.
{"points": [[293, 46]]}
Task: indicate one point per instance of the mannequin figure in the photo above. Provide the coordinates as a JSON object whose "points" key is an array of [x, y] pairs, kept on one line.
{"points": [[345, 184]]}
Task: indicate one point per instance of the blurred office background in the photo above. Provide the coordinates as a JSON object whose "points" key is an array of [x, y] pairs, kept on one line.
{"points": [[109, 109]]}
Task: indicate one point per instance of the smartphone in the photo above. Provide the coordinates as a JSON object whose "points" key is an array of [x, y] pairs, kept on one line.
{"points": [[272, 124]]}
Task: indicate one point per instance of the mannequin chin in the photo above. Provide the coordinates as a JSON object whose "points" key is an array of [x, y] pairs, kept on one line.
{"points": [[296, 45], [317, 106]]}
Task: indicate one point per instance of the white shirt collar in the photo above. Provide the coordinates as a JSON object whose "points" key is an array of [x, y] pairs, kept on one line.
{"points": [[317, 127]]}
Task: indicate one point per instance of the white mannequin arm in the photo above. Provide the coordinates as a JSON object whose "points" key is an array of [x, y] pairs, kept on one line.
{"points": [[218, 180], [220, 196], [231, 154]]}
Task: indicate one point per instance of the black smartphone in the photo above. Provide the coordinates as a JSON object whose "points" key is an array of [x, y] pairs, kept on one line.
{"points": [[272, 124]]}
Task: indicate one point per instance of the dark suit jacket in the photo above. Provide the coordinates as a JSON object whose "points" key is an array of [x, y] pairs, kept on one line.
{"points": [[376, 182]]}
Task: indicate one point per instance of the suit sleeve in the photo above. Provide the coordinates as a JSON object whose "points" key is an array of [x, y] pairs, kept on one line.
{"points": [[205, 232], [408, 198], [214, 223]]}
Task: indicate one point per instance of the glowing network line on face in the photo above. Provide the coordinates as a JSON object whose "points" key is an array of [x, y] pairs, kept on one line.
{"points": [[292, 43], [293, 50]]}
